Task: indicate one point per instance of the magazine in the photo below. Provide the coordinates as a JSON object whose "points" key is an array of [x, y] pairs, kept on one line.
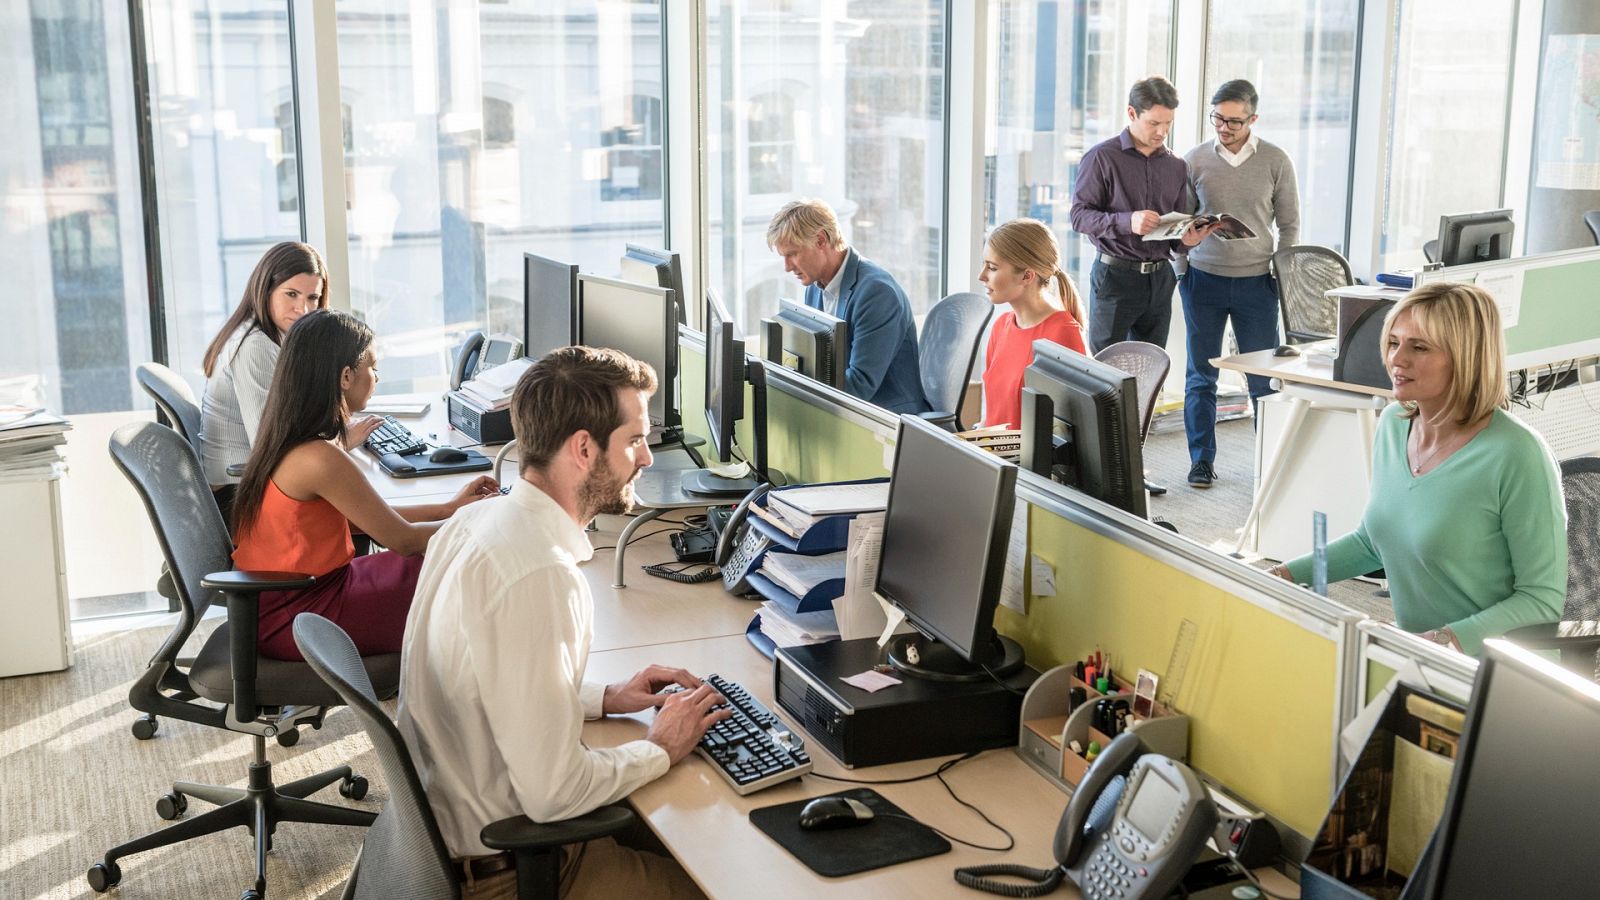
{"points": [[1172, 226]]}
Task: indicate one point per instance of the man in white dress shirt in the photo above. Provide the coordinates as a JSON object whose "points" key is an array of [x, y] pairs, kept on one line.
{"points": [[492, 690]]}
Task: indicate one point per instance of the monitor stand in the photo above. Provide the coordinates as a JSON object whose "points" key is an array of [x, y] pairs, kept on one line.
{"points": [[706, 484], [924, 657]]}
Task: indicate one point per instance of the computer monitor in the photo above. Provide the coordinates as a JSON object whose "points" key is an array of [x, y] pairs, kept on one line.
{"points": [[641, 321], [727, 372], [809, 341], [549, 305], [945, 535], [1524, 800], [662, 268], [1466, 238], [1080, 426]]}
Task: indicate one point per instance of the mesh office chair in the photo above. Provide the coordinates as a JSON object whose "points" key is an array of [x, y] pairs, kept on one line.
{"points": [[403, 854], [1430, 250], [173, 398], [250, 695], [1577, 636], [946, 350], [1592, 219], [1305, 273], [1148, 364]]}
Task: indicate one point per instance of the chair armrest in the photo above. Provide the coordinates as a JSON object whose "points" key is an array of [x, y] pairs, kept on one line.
{"points": [[243, 589], [522, 834], [945, 420], [1578, 641], [255, 582]]}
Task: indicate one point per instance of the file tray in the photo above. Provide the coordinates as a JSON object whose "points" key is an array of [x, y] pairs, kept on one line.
{"points": [[817, 599], [826, 536]]}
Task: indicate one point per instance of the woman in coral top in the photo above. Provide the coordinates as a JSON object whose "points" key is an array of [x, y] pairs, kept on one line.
{"points": [[1022, 268], [301, 491]]}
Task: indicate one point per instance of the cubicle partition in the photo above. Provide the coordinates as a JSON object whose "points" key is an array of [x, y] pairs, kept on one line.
{"points": [[1547, 300], [1385, 650]]}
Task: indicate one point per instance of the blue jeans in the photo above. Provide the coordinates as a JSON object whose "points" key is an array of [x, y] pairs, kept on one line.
{"points": [[1208, 302]]}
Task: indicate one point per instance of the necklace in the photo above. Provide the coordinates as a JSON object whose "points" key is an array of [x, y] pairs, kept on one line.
{"points": [[1417, 469]]}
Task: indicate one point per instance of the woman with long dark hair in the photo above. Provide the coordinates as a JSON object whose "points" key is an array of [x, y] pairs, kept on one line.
{"points": [[301, 492], [288, 282]]}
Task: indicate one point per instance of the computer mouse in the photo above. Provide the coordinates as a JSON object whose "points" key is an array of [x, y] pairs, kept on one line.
{"points": [[447, 455], [834, 812], [1285, 350]]}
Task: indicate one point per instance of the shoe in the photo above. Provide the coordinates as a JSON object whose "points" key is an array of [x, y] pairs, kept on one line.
{"points": [[1201, 474]]}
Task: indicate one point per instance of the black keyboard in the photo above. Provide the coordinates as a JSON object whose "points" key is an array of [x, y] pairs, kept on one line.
{"points": [[392, 437], [753, 749]]}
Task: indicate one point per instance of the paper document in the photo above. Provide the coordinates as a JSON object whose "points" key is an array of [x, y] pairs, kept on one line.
{"points": [[399, 405], [790, 629], [799, 574], [1505, 286], [1172, 226], [834, 499], [871, 681], [856, 610], [1016, 557]]}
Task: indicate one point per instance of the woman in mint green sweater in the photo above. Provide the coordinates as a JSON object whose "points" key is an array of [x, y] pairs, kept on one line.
{"points": [[1465, 515]]}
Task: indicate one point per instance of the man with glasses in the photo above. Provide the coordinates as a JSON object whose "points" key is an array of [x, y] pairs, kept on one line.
{"points": [[1241, 175], [1124, 185]]}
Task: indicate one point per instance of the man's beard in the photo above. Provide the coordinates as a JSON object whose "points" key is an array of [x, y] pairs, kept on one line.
{"points": [[604, 491]]}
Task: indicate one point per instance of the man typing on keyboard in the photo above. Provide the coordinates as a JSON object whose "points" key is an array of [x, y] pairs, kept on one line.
{"points": [[492, 696]]}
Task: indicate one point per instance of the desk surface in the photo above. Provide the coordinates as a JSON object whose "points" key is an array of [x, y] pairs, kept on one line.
{"points": [[1303, 369]]}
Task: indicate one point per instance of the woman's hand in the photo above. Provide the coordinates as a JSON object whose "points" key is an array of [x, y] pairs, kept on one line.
{"points": [[480, 487], [358, 429], [1282, 571]]}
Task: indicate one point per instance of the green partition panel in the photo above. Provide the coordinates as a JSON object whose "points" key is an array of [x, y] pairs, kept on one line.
{"points": [[1558, 318], [1260, 688]]}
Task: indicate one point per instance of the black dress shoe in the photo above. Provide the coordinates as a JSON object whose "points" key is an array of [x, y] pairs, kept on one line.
{"points": [[1201, 474]]}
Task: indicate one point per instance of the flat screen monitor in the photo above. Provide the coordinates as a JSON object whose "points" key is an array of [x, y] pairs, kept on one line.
{"points": [[1080, 426], [639, 320], [808, 341], [944, 552], [662, 268], [724, 377], [1467, 238], [549, 305], [1524, 804]]}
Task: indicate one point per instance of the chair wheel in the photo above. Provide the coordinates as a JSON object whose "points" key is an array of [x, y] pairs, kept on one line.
{"points": [[172, 805], [289, 738], [103, 876], [251, 894], [353, 788], [144, 727]]}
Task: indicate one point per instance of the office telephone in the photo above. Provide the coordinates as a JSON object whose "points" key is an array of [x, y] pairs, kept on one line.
{"points": [[478, 354], [739, 544], [1131, 831]]}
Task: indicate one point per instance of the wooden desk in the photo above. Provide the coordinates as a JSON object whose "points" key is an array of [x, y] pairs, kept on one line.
{"points": [[1303, 369]]}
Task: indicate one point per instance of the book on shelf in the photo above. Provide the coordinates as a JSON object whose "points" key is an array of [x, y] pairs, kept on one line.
{"points": [[1003, 442], [1171, 227], [820, 500]]}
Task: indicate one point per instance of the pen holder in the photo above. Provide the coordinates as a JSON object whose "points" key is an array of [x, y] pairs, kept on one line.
{"points": [[1050, 724]]}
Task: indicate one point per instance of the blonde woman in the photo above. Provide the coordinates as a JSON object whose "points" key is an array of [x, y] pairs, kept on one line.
{"points": [[1465, 514], [1022, 269]]}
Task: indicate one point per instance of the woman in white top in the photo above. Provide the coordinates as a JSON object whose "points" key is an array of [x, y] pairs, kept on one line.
{"points": [[288, 282]]}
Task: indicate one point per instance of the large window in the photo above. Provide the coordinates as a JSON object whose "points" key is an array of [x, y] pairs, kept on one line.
{"points": [[450, 182], [1452, 78], [1059, 74], [844, 103], [1301, 58]]}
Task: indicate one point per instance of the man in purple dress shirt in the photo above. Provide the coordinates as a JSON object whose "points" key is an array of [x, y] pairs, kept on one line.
{"points": [[1125, 184]]}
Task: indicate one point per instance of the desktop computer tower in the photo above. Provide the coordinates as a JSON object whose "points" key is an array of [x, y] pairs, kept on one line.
{"points": [[913, 720]]}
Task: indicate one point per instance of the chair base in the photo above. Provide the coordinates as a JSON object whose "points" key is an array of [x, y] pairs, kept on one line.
{"points": [[259, 807]]}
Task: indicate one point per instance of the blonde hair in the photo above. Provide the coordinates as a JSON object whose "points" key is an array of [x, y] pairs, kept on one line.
{"points": [[800, 221], [1030, 245], [1463, 319]]}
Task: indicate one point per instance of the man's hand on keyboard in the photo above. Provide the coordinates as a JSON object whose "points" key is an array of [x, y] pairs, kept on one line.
{"points": [[683, 718], [643, 690], [357, 430]]}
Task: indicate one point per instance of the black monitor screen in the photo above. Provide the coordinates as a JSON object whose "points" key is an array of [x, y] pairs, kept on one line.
{"points": [[944, 537], [549, 305], [1524, 804], [724, 376], [1467, 238], [1080, 426], [638, 320]]}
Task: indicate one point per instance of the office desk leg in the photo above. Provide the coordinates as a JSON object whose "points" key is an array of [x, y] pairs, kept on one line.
{"points": [[1368, 418], [625, 536], [1280, 454]]}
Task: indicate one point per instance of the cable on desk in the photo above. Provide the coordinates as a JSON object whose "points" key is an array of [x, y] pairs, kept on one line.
{"points": [[681, 574], [997, 680], [1011, 840], [1251, 876], [639, 537]]}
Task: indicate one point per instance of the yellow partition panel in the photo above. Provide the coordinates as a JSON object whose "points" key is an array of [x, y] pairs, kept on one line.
{"points": [[1259, 688]]}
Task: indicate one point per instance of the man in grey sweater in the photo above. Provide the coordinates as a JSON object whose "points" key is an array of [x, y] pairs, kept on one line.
{"points": [[1252, 180]]}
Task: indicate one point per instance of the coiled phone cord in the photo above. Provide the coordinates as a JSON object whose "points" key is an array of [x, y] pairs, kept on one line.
{"points": [[1037, 882]]}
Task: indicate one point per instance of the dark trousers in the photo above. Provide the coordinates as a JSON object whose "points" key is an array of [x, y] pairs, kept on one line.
{"points": [[1209, 301], [1126, 305]]}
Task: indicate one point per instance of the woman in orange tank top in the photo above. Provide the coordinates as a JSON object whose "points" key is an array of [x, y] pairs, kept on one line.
{"points": [[1022, 268], [301, 491]]}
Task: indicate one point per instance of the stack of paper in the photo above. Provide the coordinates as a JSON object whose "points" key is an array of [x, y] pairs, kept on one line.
{"points": [[833, 499], [788, 629], [1005, 443], [29, 442], [491, 390], [798, 574]]}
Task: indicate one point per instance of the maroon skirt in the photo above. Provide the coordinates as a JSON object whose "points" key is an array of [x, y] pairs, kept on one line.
{"points": [[367, 597]]}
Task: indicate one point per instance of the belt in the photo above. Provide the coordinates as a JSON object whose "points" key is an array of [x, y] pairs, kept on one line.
{"points": [[476, 867], [1143, 267]]}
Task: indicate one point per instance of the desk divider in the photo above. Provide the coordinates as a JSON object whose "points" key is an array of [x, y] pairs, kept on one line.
{"points": [[1557, 319], [1385, 649]]}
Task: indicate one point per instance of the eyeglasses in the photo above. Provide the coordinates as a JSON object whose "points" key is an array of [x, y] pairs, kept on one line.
{"points": [[1218, 121]]}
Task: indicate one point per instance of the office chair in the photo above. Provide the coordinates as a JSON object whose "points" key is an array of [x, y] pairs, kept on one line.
{"points": [[256, 696], [403, 854], [173, 398], [1148, 364], [1577, 635], [946, 350], [1305, 273], [1592, 219], [1430, 250]]}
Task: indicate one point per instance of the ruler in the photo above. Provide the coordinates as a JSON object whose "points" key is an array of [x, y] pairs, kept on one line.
{"points": [[1178, 664]]}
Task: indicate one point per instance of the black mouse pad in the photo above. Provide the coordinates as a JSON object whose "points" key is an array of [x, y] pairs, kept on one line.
{"points": [[884, 841], [417, 465]]}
